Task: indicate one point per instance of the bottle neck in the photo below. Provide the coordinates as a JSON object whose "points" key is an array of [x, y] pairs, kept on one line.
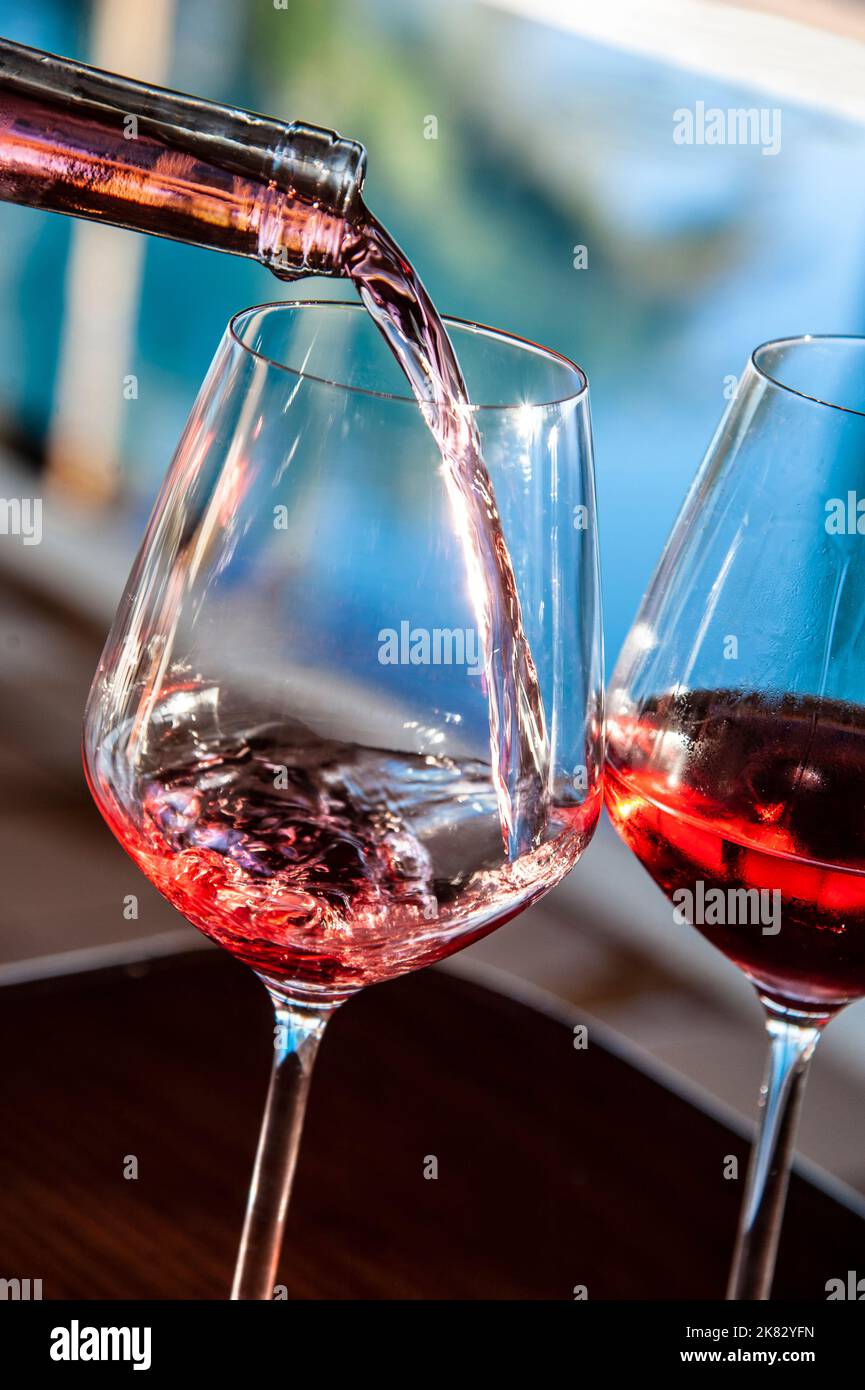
{"points": [[77, 140], [312, 200]]}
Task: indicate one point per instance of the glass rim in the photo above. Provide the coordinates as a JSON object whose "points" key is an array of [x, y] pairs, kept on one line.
{"points": [[796, 340], [485, 330]]}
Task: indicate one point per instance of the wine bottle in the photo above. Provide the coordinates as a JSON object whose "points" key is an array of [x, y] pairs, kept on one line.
{"points": [[77, 140]]}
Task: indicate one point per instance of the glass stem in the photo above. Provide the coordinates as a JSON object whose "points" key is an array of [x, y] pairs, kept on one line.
{"points": [[791, 1048], [297, 1034]]}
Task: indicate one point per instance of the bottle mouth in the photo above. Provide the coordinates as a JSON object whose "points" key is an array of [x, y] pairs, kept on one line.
{"points": [[327, 169]]}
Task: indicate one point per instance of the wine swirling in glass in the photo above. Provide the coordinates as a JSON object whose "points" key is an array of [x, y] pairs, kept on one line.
{"points": [[326, 863]]}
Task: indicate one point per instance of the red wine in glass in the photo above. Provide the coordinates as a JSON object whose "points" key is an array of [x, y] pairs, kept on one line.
{"points": [[718, 790], [327, 866]]}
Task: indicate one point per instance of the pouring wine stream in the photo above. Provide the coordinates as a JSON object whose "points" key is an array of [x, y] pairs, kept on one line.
{"points": [[404, 313]]}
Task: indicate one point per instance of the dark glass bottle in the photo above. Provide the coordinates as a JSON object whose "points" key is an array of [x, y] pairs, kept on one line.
{"points": [[77, 140]]}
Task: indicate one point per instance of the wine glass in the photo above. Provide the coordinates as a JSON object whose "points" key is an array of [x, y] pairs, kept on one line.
{"points": [[736, 726], [289, 730]]}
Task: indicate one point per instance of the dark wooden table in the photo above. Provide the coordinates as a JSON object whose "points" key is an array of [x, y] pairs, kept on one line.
{"points": [[556, 1167]]}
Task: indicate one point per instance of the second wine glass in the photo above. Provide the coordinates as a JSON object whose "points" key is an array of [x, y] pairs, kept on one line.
{"points": [[736, 729], [290, 727]]}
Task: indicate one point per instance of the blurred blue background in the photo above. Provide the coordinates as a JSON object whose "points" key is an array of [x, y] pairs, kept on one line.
{"points": [[545, 142]]}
